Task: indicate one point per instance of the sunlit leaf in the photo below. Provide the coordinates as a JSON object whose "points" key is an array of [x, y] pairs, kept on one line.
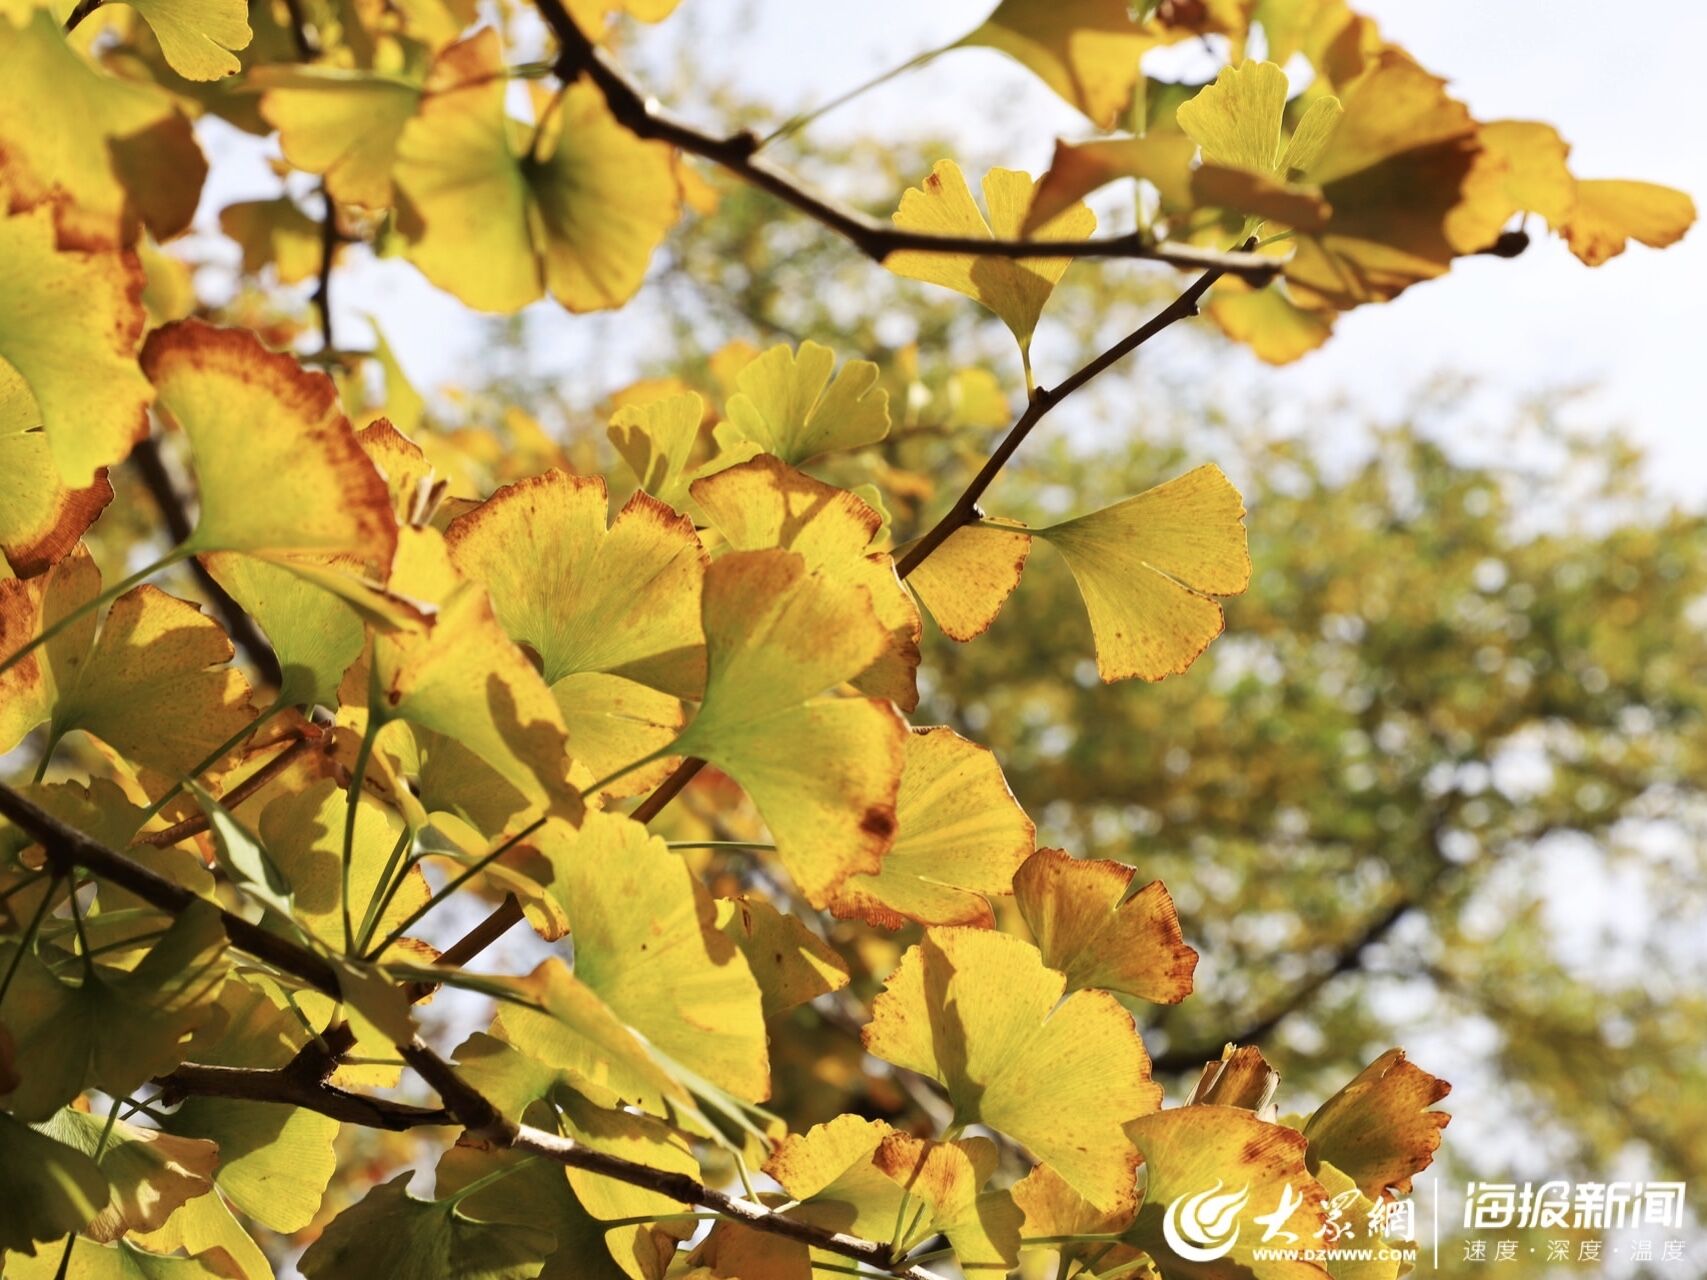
{"points": [[1162, 158], [120, 1261], [1149, 569], [788, 406], [657, 440], [1607, 215], [979, 1013], [1014, 288], [339, 123], [198, 37], [960, 836], [965, 582], [823, 771], [790, 963], [41, 518], [274, 233], [206, 1224], [88, 398], [1379, 1130], [49, 1189], [150, 1173]]}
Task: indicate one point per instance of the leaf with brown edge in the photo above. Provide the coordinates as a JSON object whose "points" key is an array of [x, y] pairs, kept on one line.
{"points": [[1227, 1167], [407, 472], [112, 156], [88, 397], [150, 1173], [1378, 1129], [791, 964], [1241, 1077], [979, 1013], [150, 680], [1016, 289], [1095, 930], [1150, 569], [41, 517], [1052, 1208], [959, 838], [964, 583], [823, 771], [765, 503]]}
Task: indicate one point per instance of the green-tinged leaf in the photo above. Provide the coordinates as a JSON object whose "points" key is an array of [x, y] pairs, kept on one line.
{"points": [[198, 37], [150, 1173], [242, 857], [791, 963], [787, 405], [49, 1189]]}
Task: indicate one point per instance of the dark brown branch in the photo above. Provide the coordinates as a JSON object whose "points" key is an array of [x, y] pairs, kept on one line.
{"points": [[738, 153], [465, 1106], [199, 821], [329, 240], [151, 469]]}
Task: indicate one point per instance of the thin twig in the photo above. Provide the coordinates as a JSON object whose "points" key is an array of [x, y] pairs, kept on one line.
{"points": [[199, 821], [738, 153]]}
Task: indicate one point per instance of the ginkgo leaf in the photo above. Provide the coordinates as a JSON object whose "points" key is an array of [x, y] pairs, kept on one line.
{"points": [[1052, 1208], [116, 1028], [790, 963], [258, 422], [497, 213], [405, 467], [959, 837], [274, 233], [787, 405], [1270, 323], [150, 1173], [198, 37], [341, 124], [1241, 1077], [823, 771], [979, 1013], [49, 1189], [204, 1225], [150, 680], [89, 398], [1379, 1130], [1085, 50], [303, 833], [657, 439], [1091, 927], [1237, 119], [315, 635], [112, 156], [1149, 569], [1609, 214], [856, 1176], [1214, 1170], [391, 1233], [965, 582], [765, 503], [465, 679], [590, 15], [624, 600], [274, 1161], [41, 517], [119, 1261], [1016, 289], [647, 944], [1162, 158]]}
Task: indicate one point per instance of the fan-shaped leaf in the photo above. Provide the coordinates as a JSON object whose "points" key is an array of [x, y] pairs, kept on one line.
{"points": [[787, 405]]}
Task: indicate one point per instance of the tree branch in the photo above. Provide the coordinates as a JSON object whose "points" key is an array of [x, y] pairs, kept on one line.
{"points": [[199, 821], [738, 153], [68, 848], [151, 469]]}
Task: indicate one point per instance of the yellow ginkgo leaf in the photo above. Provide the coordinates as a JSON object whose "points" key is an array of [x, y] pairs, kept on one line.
{"points": [[41, 517], [113, 154], [1162, 158], [463, 677], [1237, 119], [1241, 1077], [198, 37], [657, 438], [341, 124], [1609, 214], [1093, 929], [788, 406], [150, 680], [274, 233], [591, 15], [315, 635], [149, 1173], [1212, 1171], [1379, 1129], [88, 398], [765, 503], [960, 836], [498, 213], [1269, 322], [791, 963], [647, 944], [1149, 569], [823, 771], [1085, 50], [1014, 288], [979, 1013], [965, 582], [406, 469]]}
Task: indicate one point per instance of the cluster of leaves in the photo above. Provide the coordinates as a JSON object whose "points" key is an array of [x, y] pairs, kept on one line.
{"points": [[212, 931]]}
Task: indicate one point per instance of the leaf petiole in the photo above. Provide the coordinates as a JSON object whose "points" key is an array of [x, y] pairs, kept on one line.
{"points": [[172, 557]]}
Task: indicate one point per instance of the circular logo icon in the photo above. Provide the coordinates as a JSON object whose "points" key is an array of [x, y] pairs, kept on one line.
{"points": [[1205, 1226]]}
